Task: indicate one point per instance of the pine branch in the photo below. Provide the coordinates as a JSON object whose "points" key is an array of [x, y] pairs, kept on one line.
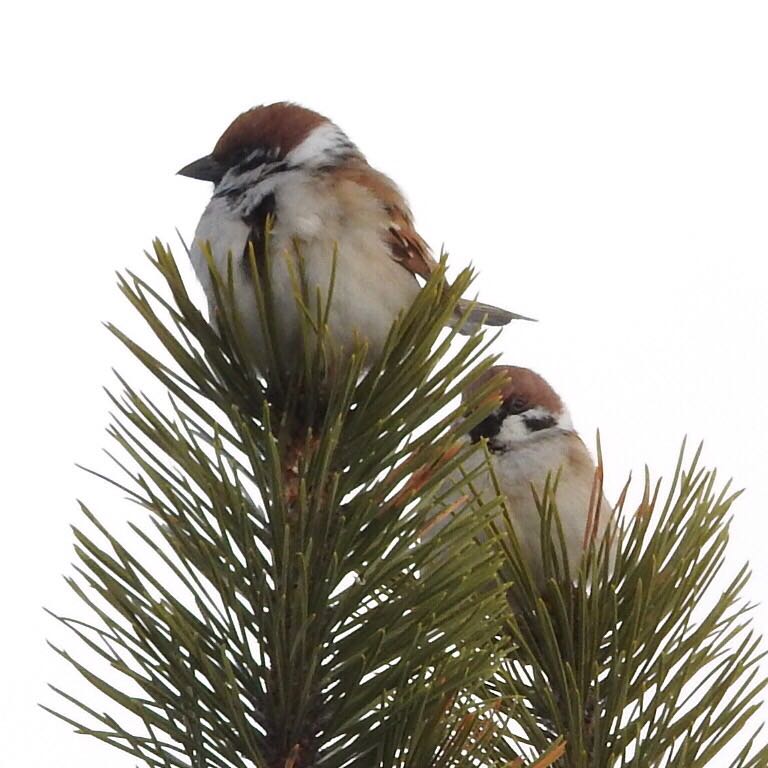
{"points": [[278, 603], [643, 661], [282, 614]]}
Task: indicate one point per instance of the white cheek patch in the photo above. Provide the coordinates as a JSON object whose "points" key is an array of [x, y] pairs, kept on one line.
{"points": [[513, 430], [516, 428], [233, 179], [252, 194], [255, 194], [564, 421], [320, 147]]}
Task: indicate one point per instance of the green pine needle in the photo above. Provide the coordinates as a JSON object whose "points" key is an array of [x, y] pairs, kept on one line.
{"points": [[275, 604]]}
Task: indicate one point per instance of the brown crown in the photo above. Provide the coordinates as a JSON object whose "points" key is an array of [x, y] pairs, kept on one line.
{"points": [[521, 383], [281, 125]]}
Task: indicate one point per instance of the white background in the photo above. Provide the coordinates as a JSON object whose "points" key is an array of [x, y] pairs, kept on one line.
{"points": [[604, 165]]}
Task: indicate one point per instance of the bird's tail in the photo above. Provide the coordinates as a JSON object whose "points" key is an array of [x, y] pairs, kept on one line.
{"points": [[483, 314]]}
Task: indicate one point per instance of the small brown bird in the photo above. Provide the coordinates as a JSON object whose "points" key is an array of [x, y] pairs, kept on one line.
{"points": [[530, 436], [296, 166]]}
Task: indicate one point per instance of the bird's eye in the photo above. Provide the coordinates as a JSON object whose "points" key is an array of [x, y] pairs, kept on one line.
{"points": [[248, 159], [238, 157], [516, 405]]}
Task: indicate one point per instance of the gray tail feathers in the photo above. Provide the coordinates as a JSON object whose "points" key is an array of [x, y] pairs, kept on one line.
{"points": [[483, 314]]}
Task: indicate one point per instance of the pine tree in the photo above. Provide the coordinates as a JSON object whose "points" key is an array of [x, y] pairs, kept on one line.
{"points": [[287, 612]]}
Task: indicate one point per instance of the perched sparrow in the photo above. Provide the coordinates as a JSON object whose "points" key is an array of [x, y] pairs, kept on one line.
{"points": [[530, 436], [296, 166]]}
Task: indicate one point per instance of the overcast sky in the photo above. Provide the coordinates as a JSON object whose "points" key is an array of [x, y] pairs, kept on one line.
{"points": [[604, 165]]}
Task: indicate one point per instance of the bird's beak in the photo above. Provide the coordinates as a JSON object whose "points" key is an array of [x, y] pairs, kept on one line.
{"points": [[207, 168]]}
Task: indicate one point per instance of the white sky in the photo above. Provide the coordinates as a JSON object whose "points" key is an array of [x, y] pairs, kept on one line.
{"points": [[603, 164]]}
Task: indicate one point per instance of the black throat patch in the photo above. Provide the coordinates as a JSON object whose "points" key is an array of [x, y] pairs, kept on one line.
{"points": [[256, 219]]}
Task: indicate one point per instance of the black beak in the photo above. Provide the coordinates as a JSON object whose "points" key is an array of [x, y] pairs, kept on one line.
{"points": [[206, 169]]}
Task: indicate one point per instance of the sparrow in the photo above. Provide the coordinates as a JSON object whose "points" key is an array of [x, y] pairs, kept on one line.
{"points": [[294, 168], [531, 441]]}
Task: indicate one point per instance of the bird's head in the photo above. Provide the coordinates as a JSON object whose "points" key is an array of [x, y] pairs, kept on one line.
{"points": [[270, 139], [529, 408]]}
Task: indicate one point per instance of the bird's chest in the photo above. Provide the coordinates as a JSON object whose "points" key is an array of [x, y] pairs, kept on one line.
{"points": [[370, 288], [529, 464], [225, 233], [307, 219]]}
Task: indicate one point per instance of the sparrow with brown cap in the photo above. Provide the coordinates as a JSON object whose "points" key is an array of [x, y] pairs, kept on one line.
{"points": [[531, 441], [290, 165]]}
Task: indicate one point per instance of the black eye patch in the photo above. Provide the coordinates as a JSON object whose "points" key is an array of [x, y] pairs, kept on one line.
{"points": [[236, 188]]}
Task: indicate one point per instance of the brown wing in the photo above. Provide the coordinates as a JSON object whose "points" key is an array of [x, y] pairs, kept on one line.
{"points": [[408, 248], [406, 245]]}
